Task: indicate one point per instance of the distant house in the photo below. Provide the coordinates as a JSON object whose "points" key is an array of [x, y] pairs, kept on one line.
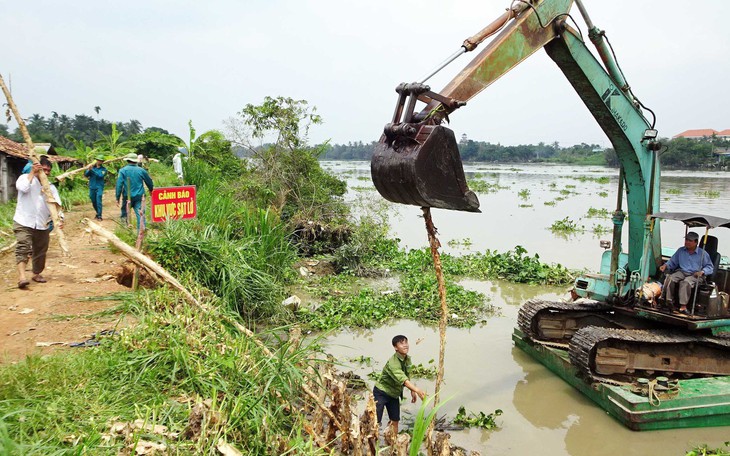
{"points": [[697, 134], [724, 134], [14, 156]]}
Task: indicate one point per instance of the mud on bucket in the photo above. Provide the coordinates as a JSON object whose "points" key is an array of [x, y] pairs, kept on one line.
{"points": [[425, 171]]}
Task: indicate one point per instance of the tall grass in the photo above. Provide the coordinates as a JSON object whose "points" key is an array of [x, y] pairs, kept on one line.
{"points": [[241, 254], [176, 356]]}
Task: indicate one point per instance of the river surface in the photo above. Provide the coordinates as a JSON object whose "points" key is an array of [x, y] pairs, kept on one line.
{"points": [[483, 370]]}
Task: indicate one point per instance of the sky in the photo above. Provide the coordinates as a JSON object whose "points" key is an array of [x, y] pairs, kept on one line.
{"points": [[164, 62]]}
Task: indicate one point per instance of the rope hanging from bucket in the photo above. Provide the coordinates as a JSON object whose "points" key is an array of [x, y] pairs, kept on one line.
{"points": [[435, 244]]}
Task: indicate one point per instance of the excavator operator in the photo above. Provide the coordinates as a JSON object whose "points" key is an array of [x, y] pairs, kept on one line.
{"points": [[686, 266]]}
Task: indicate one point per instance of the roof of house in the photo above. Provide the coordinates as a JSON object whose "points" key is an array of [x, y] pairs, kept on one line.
{"points": [[696, 133], [10, 147], [725, 132]]}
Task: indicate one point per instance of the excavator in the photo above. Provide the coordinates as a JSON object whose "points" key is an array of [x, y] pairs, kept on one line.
{"points": [[617, 329]]}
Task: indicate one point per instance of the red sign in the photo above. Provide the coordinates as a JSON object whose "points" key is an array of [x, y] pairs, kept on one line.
{"points": [[172, 203]]}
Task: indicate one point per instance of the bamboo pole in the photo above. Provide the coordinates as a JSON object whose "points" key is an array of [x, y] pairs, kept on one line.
{"points": [[68, 174], [435, 244], [53, 206], [138, 245]]}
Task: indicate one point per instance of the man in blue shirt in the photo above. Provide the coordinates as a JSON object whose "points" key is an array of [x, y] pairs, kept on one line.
{"points": [[96, 175], [686, 266], [130, 182]]}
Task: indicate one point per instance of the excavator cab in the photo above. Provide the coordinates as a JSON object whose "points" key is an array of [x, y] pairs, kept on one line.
{"points": [[417, 161]]}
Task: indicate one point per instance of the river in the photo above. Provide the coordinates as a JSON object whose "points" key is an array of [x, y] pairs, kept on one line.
{"points": [[483, 370]]}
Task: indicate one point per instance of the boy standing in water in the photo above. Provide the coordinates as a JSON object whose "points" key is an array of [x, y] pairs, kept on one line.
{"points": [[388, 391]]}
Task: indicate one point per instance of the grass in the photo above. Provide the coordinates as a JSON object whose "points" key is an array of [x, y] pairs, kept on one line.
{"points": [[176, 357]]}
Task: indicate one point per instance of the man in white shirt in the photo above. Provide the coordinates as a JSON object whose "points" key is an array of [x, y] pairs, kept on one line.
{"points": [[177, 165], [31, 223]]}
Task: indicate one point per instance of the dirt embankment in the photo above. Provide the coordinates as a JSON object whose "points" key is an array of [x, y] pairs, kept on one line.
{"points": [[49, 316]]}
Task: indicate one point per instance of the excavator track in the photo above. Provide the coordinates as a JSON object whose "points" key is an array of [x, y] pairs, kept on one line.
{"points": [[603, 354], [555, 321]]}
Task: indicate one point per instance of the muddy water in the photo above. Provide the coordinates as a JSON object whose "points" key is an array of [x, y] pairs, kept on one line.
{"points": [[483, 371], [508, 220]]}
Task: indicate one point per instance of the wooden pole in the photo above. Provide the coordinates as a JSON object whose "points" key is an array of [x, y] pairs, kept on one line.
{"points": [[53, 206], [68, 174], [138, 245], [435, 244]]}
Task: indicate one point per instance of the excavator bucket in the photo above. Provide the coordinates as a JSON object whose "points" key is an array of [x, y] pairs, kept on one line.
{"points": [[423, 170]]}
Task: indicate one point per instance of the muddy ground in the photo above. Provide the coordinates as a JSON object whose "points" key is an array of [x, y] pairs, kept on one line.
{"points": [[47, 317]]}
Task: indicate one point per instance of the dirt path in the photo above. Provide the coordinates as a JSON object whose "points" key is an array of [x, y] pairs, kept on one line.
{"points": [[48, 316]]}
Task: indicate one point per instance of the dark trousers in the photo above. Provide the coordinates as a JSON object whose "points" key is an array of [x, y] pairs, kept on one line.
{"points": [[31, 242], [390, 403], [95, 195]]}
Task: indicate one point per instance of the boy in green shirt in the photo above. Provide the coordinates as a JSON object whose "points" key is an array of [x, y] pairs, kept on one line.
{"points": [[388, 391]]}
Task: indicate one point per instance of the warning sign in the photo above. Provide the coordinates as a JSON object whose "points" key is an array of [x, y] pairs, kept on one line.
{"points": [[172, 203]]}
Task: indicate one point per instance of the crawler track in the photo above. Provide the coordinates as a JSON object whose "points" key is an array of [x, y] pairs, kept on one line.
{"points": [[601, 353]]}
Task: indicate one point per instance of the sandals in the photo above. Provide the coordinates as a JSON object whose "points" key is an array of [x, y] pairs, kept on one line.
{"points": [[39, 278], [23, 284]]}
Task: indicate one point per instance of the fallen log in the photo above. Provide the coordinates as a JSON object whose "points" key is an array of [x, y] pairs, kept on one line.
{"points": [[140, 259]]}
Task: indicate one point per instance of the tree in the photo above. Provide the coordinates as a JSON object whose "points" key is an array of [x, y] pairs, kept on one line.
{"points": [[154, 144], [289, 174], [112, 143]]}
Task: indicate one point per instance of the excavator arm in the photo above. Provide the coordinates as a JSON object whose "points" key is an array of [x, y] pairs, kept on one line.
{"points": [[417, 161]]}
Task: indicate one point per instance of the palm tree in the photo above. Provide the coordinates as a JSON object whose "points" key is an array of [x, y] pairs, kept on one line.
{"points": [[97, 110]]}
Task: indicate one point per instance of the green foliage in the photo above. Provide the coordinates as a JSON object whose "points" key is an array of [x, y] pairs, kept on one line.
{"points": [[566, 226], [704, 450], [155, 144], [709, 193], [287, 118], [600, 230], [524, 194], [481, 186], [674, 191], [113, 144], [7, 212], [603, 194], [480, 420], [598, 213], [172, 358], [241, 254], [421, 425]]}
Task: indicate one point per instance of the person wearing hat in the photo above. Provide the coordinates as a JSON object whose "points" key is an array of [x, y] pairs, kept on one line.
{"points": [[130, 184], [686, 266], [96, 174]]}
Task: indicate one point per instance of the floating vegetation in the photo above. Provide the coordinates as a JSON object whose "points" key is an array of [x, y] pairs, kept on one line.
{"points": [[524, 194], [366, 360], [552, 185], [361, 188], [600, 180], [480, 186], [560, 198], [465, 243], [603, 194], [674, 191], [566, 192], [598, 213], [363, 178], [570, 186], [549, 203], [704, 450], [600, 230], [480, 420], [526, 205], [709, 194], [566, 226]]}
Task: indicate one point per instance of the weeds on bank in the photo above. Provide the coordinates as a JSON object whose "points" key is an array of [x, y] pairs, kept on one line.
{"points": [[7, 212], [175, 357]]}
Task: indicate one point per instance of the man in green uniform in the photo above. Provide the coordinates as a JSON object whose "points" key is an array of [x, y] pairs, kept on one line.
{"points": [[130, 182], [96, 175], [388, 391]]}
